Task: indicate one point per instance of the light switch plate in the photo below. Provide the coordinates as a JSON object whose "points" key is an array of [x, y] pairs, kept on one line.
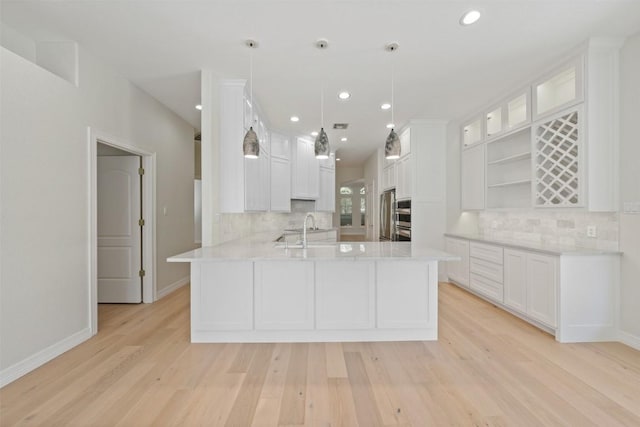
{"points": [[592, 231]]}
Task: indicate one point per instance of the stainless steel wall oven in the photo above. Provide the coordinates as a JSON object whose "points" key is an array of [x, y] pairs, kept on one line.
{"points": [[403, 221]]}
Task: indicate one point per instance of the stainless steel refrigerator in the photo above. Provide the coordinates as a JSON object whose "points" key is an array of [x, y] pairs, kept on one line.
{"points": [[387, 214]]}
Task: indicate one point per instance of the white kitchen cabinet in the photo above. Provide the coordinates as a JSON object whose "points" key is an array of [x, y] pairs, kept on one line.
{"points": [[345, 295], [402, 299], [542, 282], [558, 155], [515, 280], [280, 185], [327, 200], [257, 186], [486, 271], [508, 171], [458, 271], [573, 295], [280, 173], [559, 89], [530, 284], [305, 170], [405, 142], [389, 176], [472, 132], [242, 181], [284, 301], [225, 299], [404, 178], [570, 116], [473, 178]]}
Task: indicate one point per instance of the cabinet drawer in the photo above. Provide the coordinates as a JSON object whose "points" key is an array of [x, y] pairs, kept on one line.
{"points": [[486, 269], [486, 252], [487, 287]]}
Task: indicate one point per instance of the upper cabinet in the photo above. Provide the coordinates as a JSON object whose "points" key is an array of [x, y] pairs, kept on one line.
{"points": [[472, 132], [553, 143], [326, 202], [280, 173], [559, 89], [305, 170], [243, 182]]}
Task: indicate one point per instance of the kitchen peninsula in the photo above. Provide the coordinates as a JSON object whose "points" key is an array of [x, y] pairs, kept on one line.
{"points": [[256, 290]]}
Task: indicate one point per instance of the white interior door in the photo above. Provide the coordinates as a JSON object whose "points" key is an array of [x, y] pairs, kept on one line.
{"points": [[119, 233]]}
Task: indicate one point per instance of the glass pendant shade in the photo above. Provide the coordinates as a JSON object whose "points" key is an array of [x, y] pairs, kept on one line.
{"points": [[392, 146], [250, 145], [322, 148]]}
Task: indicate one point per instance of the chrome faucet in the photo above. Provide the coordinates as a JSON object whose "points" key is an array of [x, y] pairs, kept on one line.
{"points": [[304, 228]]}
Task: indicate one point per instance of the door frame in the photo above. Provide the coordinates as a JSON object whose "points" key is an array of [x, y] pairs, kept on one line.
{"points": [[148, 207]]}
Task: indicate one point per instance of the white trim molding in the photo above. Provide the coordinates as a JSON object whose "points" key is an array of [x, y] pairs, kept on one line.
{"points": [[149, 209], [34, 361], [631, 340], [172, 287]]}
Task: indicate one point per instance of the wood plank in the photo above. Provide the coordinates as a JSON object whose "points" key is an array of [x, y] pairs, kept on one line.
{"points": [[488, 368]]}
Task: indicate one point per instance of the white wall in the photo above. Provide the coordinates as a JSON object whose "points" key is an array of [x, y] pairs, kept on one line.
{"points": [[630, 189], [44, 279]]}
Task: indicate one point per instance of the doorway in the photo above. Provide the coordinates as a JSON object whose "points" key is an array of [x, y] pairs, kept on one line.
{"points": [[147, 160]]}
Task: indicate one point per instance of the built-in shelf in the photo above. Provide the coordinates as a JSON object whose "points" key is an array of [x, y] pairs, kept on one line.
{"points": [[512, 158], [505, 184]]}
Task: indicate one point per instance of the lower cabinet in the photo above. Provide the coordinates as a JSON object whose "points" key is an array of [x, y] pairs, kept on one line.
{"points": [[403, 299], [284, 301], [542, 279], [458, 271], [345, 295], [530, 285]]}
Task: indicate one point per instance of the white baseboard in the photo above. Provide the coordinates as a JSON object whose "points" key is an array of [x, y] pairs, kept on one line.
{"points": [[172, 287], [32, 362], [629, 339]]}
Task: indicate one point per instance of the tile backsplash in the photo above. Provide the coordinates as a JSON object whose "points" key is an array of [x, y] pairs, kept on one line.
{"points": [[234, 226], [552, 227]]}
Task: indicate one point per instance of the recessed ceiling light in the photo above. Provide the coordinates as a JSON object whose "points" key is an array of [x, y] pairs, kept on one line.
{"points": [[198, 107], [295, 119], [390, 125], [470, 17], [314, 133], [337, 159], [343, 139], [344, 95], [385, 106]]}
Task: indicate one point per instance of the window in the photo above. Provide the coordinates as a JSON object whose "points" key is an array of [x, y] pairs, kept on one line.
{"points": [[352, 206], [363, 210]]}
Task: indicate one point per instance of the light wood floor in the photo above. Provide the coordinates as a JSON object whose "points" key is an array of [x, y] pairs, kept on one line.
{"points": [[488, 368]]}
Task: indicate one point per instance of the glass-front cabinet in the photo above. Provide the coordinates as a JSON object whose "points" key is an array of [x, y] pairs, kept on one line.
{"points": [[561, 89], [472, 132]]}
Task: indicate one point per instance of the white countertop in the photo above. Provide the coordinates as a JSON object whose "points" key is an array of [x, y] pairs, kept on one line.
{"points": [[538, 247], [262, 247]]}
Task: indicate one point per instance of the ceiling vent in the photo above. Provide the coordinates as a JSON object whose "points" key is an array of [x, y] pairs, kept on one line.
{"points": [[340, 125]]}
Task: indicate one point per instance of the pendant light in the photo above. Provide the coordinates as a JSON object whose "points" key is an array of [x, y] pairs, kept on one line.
{"points": [[251, 145], [392, 145], [322, 148]]}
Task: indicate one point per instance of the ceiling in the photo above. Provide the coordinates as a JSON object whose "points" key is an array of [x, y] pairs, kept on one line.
{"points": [[442, 69]]}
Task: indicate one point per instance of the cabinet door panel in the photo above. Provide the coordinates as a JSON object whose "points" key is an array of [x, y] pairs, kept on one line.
{"points": [[403, 299], [541, 288], [284, 301], [280, 185], [515, 280], [345, 295], [225, 296]]}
